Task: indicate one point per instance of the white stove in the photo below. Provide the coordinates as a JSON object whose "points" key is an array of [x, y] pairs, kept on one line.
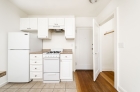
{"points": [[51, 54], [51, 66]]}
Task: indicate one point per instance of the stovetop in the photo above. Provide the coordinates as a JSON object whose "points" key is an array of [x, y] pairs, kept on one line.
{"points": [[53, 52]]}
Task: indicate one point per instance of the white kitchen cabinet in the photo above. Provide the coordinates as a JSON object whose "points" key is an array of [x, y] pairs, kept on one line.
{"points": [[66, 72], [36, 66], [43, 31], [70, 28], [28, 24], [56, 23]]}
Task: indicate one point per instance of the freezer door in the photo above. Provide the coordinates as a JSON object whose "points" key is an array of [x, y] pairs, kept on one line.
{"points": [[18, 40], [18, 66]]}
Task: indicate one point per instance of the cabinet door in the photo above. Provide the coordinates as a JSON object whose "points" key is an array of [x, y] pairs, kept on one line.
{"points": [[52, 21], [66, 69], [60, 21], [33, 23], [42, 27], [24, 23], [70, 28]]}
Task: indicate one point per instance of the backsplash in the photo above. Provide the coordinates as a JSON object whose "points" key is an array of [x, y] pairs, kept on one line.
{"points": [[58, 41]]}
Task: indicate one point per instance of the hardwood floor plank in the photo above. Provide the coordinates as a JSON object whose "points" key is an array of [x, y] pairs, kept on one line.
{"points": [[85, 83]]}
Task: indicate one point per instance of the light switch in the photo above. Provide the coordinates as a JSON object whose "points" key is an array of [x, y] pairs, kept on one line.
{"points": [[121, 45]]}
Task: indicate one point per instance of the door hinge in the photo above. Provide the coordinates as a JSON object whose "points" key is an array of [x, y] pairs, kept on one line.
{"points": [[75, 63], [75, 47]]}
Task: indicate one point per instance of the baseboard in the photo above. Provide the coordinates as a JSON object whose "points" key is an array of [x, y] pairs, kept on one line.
{"points": [[107, 69], [120, 89], [4, 83]]}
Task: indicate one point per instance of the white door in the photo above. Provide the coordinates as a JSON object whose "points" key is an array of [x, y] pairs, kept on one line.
{"points": [[18, 40], [33, 23], [84, 58], [60, 21], [66, 69], [42, 28], [96, 62], [69, 27], [18, 66], [52, 21], [24, 23]]}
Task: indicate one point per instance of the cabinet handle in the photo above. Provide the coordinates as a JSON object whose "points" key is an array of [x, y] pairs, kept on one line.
{"points": [[35, 75], [66, 56], [28, 28], [35, 68], [35, 56], [35, 61]]}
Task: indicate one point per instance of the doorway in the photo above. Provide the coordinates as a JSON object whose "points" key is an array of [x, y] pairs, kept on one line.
{"points": [[107, 50], [84, 49]]}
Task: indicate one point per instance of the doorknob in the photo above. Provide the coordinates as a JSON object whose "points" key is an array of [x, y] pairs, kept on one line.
{"points": [[92, 48]]}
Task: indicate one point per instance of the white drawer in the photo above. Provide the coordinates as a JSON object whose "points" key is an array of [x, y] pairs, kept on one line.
{"points": [[36, 61], [66, 56], [35, 56], [35, 75], [51, 76], [35, 67]]}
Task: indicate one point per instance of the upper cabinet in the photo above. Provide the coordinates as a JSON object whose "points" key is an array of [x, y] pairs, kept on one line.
{"points": [[43, 32], [27, 24], [56, 23], [70, 28]]}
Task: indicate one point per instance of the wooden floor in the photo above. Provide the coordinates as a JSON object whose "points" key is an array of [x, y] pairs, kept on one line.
{"points": [[108, 76], [85, 83]]}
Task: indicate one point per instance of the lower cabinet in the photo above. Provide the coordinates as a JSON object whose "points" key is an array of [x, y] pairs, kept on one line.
{"points": [[66, 72], [35, 66]]}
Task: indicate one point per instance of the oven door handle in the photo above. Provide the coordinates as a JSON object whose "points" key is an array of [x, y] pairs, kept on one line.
{"points": [[51, 74], [51, 58]]}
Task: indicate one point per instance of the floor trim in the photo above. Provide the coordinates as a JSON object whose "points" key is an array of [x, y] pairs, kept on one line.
{"points": [[120, 89]]}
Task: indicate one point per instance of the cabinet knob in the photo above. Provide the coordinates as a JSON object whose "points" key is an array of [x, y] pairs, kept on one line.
{"points": [[35, 61], [35, 56], [65, 56], [35, 68], [35, 75]]}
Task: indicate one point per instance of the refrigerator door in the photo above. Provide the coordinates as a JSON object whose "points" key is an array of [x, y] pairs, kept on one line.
{"points": [[18, 66], [18, 40]]}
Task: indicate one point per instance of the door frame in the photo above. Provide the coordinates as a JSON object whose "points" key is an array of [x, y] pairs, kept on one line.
{"points": [[114, 15]]}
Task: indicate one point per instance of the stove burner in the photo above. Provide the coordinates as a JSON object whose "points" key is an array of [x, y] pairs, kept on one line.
{"points": [[53, 52]]}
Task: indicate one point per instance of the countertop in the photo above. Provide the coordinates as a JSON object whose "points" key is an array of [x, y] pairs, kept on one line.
{"points": [[40, 52], [2, 73], [65, 51]]}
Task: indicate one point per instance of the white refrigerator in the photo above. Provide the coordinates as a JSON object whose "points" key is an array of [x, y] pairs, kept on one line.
{"points": [[20, 44]]}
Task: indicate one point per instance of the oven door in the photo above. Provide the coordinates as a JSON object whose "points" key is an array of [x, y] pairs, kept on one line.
{"points": [[51, 65]]}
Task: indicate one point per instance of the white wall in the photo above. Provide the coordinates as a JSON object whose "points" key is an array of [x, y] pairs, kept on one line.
{"points": [[84, 22], [107, 46], [58, 41], [9, 21], [129, 20]]}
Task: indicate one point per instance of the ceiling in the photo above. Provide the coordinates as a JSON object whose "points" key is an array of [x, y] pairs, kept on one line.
{"points": [[81, 8]]}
